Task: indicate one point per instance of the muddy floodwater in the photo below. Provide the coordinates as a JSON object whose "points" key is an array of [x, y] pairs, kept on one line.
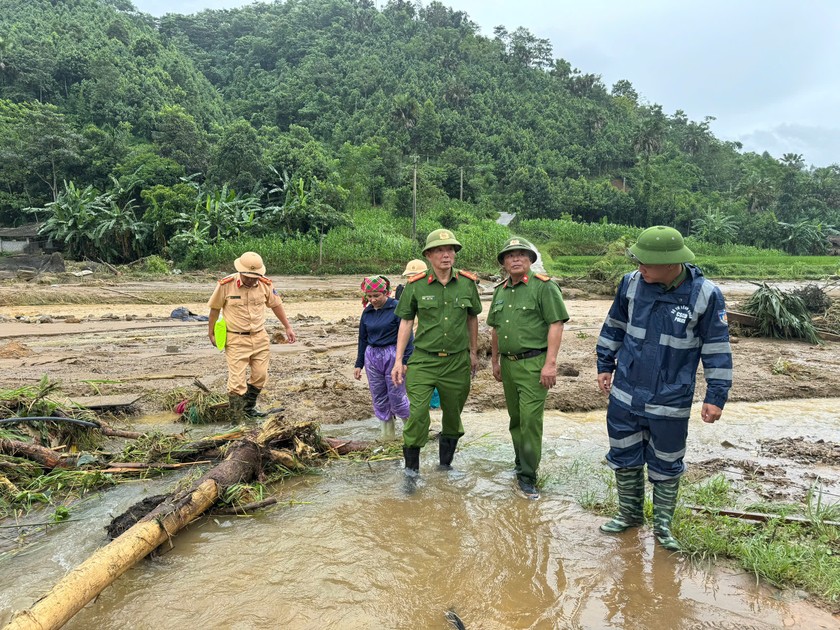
{"points": [[350, 548]]}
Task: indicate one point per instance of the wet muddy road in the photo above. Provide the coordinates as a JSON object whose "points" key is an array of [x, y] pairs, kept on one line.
{"points": [[350, 549]]}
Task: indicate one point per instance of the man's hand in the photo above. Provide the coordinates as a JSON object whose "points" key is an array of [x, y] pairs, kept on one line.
{"points": [[212, 339], [398, 373], [605, 382], [497, 370], [357, 374], [548, 375], [290, 334], [473, 363], [710, 413]]}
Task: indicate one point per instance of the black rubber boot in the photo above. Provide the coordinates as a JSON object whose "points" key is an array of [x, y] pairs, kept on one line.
{"points": [[412, 468], [250, 399], [447, 451], [412, 459]]}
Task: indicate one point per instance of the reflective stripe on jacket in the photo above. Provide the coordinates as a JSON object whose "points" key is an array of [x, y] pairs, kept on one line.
{"points": [[654, 339]]}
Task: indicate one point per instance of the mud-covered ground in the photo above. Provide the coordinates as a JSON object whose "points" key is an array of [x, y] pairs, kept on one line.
{"points": [[99, 337], [111, 338]]}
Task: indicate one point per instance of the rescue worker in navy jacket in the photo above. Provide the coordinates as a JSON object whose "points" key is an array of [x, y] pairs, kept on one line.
{"points": [[665, 319]]}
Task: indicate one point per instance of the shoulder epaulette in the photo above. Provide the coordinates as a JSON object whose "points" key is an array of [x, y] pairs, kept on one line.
{"points": [[265, 280], [469, 274], [542, 276], [226, 280], [419, 276]]}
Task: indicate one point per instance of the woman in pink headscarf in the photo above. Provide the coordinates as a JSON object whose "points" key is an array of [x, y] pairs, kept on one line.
{"points": [[378, 328]]}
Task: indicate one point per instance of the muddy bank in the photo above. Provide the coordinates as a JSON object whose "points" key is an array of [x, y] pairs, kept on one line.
{"points": [[104, 347]]}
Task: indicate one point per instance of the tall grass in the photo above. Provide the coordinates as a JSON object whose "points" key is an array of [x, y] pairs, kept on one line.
{"points": [[380, 242], [569, 238], [376, 243]]}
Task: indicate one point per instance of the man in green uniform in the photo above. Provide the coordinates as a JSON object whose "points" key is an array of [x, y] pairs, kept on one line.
{"points": [[527, 316], [446, 304]]}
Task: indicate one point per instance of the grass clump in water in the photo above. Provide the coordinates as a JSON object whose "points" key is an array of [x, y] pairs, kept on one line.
{"points": [[784, 553]]}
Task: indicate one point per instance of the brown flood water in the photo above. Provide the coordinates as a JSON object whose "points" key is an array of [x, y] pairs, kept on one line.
{"points": [[350, 549]]}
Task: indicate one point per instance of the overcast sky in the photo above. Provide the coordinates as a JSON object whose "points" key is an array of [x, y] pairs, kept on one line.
{"points": [[767, 70]]}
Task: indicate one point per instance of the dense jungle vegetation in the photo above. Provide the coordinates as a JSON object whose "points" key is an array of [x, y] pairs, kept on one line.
{"points": [[291, 125]]}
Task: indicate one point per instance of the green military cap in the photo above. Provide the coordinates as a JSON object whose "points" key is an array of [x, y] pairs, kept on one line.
{"points": [[517, 243], [660, 245], [441, 237]]}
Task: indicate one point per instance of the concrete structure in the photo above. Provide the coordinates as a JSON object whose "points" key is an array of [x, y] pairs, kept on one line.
{"points": [[22, 239]]}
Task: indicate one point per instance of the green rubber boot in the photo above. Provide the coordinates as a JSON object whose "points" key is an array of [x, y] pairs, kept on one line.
{"points": [[664, 505], [236, 408], [630, 485]]}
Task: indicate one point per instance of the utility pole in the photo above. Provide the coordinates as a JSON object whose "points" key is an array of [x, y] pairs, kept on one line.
{"points": [[414, 203], [461, 198]]}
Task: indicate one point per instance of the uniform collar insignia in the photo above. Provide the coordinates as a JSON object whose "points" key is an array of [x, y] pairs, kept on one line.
{"points": [[508, 282]]}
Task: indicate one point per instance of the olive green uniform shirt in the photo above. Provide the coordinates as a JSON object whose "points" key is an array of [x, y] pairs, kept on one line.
{"points": [[521, 313], [441, 311], [677, 281]]}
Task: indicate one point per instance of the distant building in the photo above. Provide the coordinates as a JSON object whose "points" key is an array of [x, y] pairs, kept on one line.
{"points": [[22, 240]]}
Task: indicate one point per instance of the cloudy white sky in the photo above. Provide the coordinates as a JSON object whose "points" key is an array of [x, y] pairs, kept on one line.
{"points": [[767, 70]]}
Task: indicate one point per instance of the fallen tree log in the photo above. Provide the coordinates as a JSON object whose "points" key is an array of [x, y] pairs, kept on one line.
{"points": [[236, 510], [38, 454], [342, 447], [197, 449], [90, 578], [279, 442], [129, 435]]}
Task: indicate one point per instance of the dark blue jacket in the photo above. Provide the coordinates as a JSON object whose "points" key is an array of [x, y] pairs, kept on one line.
{"points": [[379, 328], [654, 340]]}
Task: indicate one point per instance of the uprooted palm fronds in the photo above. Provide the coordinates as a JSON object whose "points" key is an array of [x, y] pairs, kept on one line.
{"points": [[830, 320], [781, 314], [814, 297], [198, 407], [35, 401], [23, 485], [168, 449], [29, 400]]}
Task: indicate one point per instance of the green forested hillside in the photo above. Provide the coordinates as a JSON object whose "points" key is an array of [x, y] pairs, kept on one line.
{"points": [[133, 135]]}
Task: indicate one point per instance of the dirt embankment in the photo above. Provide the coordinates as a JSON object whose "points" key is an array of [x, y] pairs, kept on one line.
{"points": [[120, 339]]}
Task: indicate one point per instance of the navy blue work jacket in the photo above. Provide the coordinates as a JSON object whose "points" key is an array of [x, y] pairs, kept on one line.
{"points": [[654, 339]]}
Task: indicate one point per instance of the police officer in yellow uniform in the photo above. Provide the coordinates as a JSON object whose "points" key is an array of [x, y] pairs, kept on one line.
{"points": [[446, 303], [244, 296], [527, 315]]}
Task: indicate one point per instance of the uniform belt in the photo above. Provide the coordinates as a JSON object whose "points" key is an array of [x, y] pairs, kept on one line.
{"points": [[248, 332], [438, 354], [525, 355]]}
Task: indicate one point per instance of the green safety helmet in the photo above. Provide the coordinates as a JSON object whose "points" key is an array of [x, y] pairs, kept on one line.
{"points": [[660, 245], [441, 237], [517, 243]]}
